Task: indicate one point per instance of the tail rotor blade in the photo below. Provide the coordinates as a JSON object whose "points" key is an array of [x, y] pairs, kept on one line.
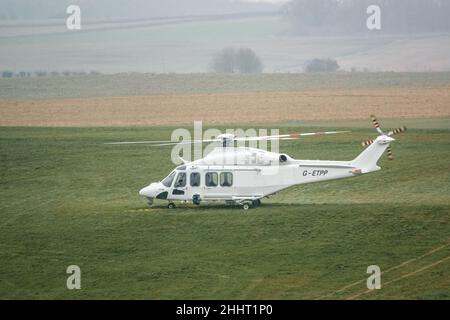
{"points": [[397, 131], [376, 124], [389, 153], [367, 143], [375, 121]]}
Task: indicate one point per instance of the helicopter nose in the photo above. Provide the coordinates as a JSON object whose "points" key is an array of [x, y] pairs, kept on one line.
{"points": [[146, 192]]}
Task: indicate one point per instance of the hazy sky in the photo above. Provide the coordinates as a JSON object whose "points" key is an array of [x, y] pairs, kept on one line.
{"points": [[125, 36], [130, 9], [270, 1]]}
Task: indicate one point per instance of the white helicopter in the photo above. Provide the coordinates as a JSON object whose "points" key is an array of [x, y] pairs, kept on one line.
{"points": [[245, 175]]}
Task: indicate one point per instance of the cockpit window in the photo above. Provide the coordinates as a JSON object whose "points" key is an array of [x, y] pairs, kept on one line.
{"points": [[181, 180], [167, 182]]}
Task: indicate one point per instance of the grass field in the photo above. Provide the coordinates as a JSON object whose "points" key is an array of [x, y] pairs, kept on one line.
{"points": [[131, 85], [66, 198]]}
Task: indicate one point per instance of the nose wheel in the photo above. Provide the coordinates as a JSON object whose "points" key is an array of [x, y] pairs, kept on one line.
{"points": [[171, 205]]}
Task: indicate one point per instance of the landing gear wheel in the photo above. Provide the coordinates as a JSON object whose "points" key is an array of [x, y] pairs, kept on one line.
{"points": [[256, 203], [171, 205], [245, 206]]}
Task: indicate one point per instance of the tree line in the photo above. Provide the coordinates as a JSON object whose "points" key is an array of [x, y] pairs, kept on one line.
{"points": [[42, 73], [241, 60]]}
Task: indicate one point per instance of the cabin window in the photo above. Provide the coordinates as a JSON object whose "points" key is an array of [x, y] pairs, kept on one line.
{"points": [[195, 179], [167, 182], [181, 180], [226, 179], [211, 179]]}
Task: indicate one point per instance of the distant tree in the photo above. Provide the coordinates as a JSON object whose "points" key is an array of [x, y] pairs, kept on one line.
{"points": [[7, 74], [247, 61], [224, 61], [41, 73], [321, 65], [242, 60]]}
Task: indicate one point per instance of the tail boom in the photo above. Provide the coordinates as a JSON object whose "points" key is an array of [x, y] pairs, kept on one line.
{"points": [[367, 160]]}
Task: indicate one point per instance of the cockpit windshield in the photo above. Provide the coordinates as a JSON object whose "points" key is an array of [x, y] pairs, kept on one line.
{"points": [[167, 182]]}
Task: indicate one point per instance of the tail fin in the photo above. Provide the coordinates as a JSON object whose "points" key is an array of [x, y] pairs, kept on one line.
{"points": [[367, 160]]}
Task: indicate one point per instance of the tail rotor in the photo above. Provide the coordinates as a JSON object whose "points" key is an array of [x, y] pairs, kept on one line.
{"points": [[376, 124]]}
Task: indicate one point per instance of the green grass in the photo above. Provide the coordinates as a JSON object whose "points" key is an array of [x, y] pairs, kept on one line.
{"points": [[66, 198], [152, 84]]}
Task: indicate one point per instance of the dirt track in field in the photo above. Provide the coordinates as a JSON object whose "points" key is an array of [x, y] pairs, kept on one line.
{"points": [[228, 108]]}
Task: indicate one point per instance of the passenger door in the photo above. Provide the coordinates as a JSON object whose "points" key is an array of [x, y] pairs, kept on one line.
{"points": [[195, 180]]}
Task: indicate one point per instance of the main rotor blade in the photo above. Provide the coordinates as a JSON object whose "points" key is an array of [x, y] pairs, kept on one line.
{"points": [[184, 142], [163, 142], [291, 135], [138, 142], [273, 137]]}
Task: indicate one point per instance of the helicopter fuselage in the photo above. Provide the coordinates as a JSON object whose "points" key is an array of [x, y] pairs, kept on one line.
{"points": [[243, 174]]}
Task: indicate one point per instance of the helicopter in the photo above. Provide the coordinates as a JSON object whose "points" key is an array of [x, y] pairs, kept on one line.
{"points": [[244, 175]]}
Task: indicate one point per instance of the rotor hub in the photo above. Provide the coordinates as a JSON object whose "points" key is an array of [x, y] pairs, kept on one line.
{"points": [[227, 139]]}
